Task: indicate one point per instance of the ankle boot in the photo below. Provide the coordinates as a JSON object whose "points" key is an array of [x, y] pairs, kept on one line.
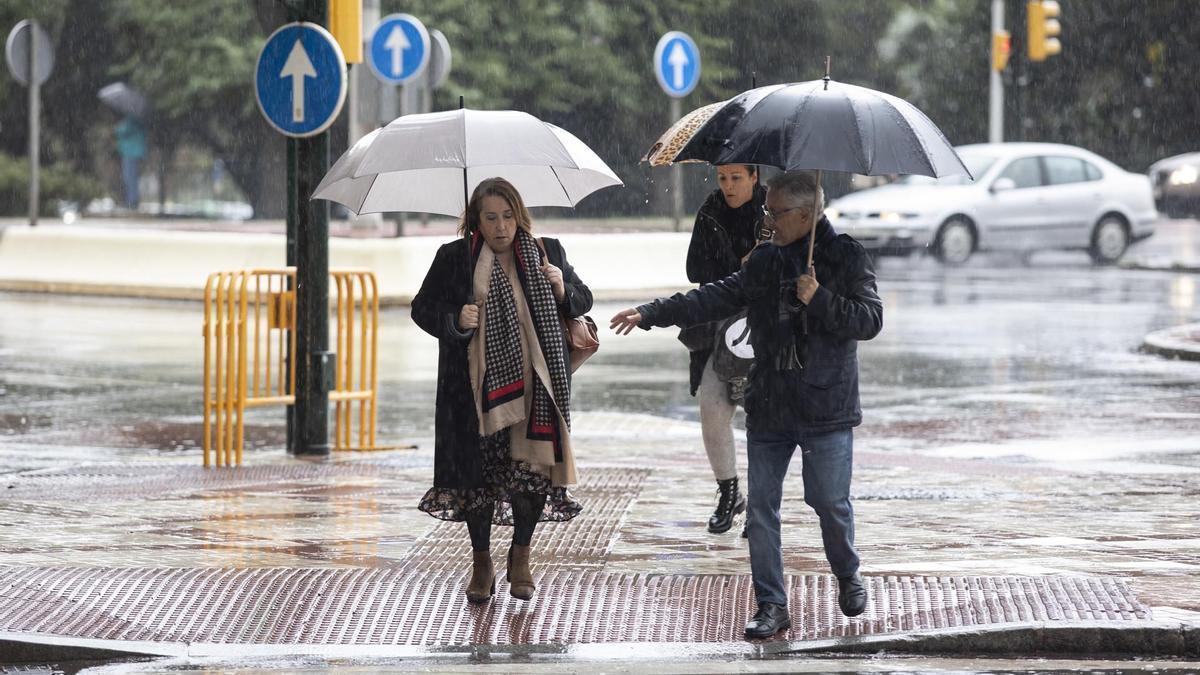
{"points": [[483, 577], [520, 577], [730, 502]]}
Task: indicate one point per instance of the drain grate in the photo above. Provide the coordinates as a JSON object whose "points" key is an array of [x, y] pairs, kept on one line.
{"points": [[427, 607], [585, 541]]}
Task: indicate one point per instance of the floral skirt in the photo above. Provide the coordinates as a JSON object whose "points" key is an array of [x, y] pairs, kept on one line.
{"points": [[503, 477]]}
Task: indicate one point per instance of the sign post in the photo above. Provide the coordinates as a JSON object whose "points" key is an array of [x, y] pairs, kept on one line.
{"points": [[300, 86], [677, 67], [30, 59]]}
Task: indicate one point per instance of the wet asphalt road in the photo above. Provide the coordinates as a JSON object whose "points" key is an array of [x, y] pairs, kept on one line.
{"points": [[1000, 357], [1019, 359]]}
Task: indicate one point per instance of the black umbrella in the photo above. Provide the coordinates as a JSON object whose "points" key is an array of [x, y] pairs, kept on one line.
{"points": [[817, 125]]}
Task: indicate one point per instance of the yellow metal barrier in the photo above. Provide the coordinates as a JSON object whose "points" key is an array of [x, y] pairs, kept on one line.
{"points": [[249, 325], [356, 343]]}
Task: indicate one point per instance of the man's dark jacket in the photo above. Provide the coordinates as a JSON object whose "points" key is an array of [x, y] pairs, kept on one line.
{"points": [[819, 392], [721, 237]]}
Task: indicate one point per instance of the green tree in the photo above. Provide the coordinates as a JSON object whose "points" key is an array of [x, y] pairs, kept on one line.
{"points": [[195, 61]]}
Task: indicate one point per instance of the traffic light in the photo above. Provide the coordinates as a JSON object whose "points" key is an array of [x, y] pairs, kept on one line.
{"points": [[1001, 50], [1043, 27], [345, 25]]}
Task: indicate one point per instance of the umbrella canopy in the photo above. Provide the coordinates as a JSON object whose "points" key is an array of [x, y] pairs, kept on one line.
{"points": [[665, 149], [822, 125], [420, 162], [124, 99]]}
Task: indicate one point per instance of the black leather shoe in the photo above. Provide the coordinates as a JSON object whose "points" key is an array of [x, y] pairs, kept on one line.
{"points": [[852, 595], [730, 502], [769, 620]]}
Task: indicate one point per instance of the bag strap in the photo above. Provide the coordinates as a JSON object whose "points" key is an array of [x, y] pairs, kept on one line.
{"points": [[542, 246]]}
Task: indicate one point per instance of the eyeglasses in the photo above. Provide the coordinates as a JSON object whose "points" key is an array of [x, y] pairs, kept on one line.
{"points": [[770, 216]]}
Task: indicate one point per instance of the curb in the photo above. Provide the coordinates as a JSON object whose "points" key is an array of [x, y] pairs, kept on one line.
{"points": [[175, 265], [1090, 639], [1163, 266], [1180, 342], [1134, 638]]}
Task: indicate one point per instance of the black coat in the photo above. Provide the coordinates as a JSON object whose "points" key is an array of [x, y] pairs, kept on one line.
{"points": [[822, 393], [721, 237], [435, 309]]}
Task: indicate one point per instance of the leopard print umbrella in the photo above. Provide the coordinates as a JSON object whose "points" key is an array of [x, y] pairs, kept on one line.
{"points": [[663, 152]]}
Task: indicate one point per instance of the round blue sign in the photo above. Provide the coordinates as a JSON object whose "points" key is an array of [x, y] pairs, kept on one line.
{"points": [[399, 48], [300, 79], [677, 64]]}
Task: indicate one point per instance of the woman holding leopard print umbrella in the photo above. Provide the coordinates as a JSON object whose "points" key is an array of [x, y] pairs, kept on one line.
{"points": [[502, 450]]}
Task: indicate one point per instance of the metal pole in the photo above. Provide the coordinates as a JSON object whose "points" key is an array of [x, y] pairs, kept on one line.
{"points": [[996, 88], [35, 114], [362, 85], [676, 172], [315, 363], [293, 218]]}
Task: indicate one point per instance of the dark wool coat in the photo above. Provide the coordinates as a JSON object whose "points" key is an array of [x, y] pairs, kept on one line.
{"points": [[435, 309], [721, 236], [822, 394]]}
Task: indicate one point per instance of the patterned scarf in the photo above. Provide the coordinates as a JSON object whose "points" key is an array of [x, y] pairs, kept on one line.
{"points": [[503, 380]]}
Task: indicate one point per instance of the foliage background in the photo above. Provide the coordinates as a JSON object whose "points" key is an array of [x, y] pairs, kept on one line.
{"points": [[1123, 86]]}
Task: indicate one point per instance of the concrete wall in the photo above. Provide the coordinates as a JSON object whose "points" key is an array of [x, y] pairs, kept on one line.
{"points": [[173, 264]]}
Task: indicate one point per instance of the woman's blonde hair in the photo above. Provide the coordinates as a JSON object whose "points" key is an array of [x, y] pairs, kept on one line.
{"points": [[495, 187]]}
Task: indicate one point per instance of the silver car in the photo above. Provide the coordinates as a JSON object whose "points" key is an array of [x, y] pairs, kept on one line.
{"points": [[1176, 182], [1025, 197]]}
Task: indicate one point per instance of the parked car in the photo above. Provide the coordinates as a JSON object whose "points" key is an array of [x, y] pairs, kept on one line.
{"points": [[1176, 182], [1025, 197]]}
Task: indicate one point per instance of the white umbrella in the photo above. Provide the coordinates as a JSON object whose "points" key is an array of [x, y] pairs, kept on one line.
{"points": [[430, 162]]}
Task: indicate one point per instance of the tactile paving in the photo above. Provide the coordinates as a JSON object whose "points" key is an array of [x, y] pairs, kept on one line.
{"points": [[427, 607]]}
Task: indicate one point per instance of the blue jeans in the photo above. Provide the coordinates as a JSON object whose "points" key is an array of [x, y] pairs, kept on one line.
{"points": [[130, 174], [827, 460]]}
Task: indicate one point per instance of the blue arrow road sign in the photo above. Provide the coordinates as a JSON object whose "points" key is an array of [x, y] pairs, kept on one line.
{"points": [[677, 64], [399, 48], [300, 79]]}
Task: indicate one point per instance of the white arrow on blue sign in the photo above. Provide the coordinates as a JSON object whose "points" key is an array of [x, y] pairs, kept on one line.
{"points": [[399, 48], [300, 79], [677, 64]]}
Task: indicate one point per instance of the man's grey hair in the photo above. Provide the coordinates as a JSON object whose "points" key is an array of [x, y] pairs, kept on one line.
{"points": [[797, 188]]}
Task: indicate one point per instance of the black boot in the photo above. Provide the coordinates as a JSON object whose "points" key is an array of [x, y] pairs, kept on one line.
{"points": [[730, 502]]}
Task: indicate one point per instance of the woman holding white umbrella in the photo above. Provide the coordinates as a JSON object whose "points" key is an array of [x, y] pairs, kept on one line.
{"points": [[493, 299], [503, 450]]}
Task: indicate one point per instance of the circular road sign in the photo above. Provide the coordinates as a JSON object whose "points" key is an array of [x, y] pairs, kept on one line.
{"points": [[399, 48], [677, 64], [300, 79]]}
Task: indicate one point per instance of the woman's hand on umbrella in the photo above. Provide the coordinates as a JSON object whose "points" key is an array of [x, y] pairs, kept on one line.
{"points": [[554, 276], [806, 285], [625, 321], [468, 317]]}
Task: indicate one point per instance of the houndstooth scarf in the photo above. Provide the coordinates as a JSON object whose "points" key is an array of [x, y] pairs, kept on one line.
{"points": [[504, 368]]}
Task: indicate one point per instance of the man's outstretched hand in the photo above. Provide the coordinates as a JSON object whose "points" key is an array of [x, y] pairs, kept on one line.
{"points": [[625, 321]]}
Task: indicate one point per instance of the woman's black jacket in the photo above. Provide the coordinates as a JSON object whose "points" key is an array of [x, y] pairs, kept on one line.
{"points": [[435, 309]]}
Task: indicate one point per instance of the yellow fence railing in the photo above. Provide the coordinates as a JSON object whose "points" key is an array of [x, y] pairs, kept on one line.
{"points": [[249, 330]]}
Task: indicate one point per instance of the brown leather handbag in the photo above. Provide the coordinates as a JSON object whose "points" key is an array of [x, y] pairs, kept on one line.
{"points": [[580, 333], [582, 339]]}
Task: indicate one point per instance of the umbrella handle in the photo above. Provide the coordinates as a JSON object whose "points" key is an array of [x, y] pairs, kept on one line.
{"points": [[812, 235]]}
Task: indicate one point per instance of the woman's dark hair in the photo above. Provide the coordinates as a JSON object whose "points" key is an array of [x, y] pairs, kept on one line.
{"points": [[495, 187]]}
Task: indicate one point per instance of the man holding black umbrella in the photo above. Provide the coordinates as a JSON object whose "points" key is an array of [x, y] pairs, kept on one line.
{"points": [[805, 324]]}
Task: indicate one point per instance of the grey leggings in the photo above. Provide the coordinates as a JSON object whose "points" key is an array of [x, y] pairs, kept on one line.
{"points": [[716, 423]]}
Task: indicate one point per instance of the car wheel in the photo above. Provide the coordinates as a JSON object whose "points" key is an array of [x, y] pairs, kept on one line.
{"points": [[955, 242], [1110, 238]]}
